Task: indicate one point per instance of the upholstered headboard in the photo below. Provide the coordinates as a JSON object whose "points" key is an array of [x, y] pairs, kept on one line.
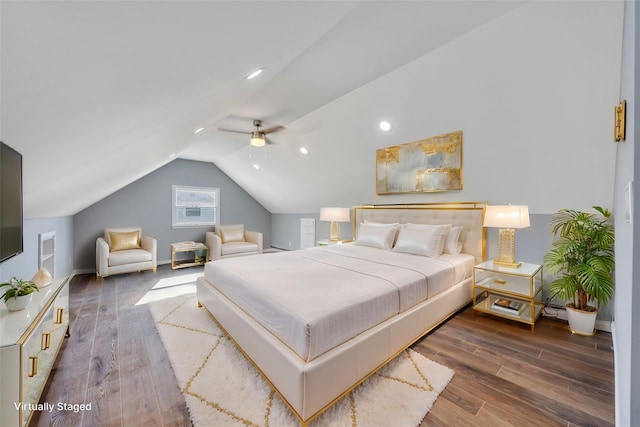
{"points": [[469, 215]]}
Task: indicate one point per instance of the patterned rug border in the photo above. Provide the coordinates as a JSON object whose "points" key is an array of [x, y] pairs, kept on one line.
{"points": [[349, 408]]}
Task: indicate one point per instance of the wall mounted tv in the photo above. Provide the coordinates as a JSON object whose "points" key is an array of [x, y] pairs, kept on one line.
{"points": [[10, 202]]}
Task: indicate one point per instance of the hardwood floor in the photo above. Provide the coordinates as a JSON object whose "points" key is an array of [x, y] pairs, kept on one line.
{"points": [[114, 358], [505, 375]]}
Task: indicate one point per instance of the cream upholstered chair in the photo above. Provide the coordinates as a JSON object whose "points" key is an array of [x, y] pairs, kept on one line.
{"points": [[123, 250], [232, 240]]}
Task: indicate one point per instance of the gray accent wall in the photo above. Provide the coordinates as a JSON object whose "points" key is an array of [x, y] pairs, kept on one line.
{"points": [[147, 203], [286, 230]]}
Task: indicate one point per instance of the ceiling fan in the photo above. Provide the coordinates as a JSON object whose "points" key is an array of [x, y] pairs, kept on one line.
{"points": [[258, 136]]}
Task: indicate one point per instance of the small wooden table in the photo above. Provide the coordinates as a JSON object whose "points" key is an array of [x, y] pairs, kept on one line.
{"points": [[198, 249]]}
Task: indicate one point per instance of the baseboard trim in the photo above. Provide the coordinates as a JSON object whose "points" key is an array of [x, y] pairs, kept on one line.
{"points": [[561, 313]]}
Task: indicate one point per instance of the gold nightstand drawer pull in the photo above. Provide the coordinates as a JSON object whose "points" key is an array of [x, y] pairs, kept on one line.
{"points": [[33, 366], [45, 342], [59, 315], [500, 281]]}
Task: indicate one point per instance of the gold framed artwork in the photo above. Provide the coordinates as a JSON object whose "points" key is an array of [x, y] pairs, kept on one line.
{"points": [[428, 165]]}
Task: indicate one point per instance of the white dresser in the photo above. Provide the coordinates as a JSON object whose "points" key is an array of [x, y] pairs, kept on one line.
{"points": [[29, 342]]}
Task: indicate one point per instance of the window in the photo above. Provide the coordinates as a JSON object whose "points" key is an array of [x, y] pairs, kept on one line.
{"points": [[195, 206]]}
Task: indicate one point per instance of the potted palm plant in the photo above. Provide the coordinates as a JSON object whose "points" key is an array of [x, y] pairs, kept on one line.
{"points": [[19, 293], [583, 256]]}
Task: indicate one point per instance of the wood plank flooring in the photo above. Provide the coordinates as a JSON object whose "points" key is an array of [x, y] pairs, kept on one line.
{"points": [[505, 375]]}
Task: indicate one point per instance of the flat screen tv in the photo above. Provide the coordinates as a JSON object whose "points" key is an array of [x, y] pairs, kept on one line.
{"points": [[10, 202]]}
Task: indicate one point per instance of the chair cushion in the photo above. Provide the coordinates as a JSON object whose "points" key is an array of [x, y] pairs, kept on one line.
{"points": [[231, 233], [128, 256], [123, 240], [232, 248]]}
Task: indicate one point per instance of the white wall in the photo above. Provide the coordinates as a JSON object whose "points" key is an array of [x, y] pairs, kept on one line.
{"points": [[533, 92], [25, 265]]}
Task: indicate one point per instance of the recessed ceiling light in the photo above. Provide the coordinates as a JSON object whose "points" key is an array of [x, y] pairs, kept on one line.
{"points": [[385, 125], [304, 151], [172, 155], [256, 166], [255, 73], [198, 130]]}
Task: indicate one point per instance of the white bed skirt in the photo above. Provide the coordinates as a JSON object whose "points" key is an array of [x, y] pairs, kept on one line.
{"points": [[311, 387]]}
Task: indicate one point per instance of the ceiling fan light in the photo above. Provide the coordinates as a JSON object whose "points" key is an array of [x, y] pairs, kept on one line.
{"points": [[257, 139]]}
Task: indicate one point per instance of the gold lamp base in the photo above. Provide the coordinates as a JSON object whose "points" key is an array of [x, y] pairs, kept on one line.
{"points": [[334, 231], [507, 257]]}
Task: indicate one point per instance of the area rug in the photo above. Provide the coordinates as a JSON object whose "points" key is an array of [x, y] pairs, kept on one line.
{"points": [[222, 388]]}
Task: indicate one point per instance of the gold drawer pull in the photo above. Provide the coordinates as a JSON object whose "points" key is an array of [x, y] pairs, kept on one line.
{"points": [[500, 281], [45, 343], [33, 366], [59, 315]]}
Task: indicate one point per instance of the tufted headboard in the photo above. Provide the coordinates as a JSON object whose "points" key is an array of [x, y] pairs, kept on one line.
{"points": [[469, 215]]}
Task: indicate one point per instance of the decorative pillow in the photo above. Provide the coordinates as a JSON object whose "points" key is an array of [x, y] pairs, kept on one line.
{"points": [[232, 234], [426, 240], [376, 236], [121, 240], [453, 245], [447, 229]]}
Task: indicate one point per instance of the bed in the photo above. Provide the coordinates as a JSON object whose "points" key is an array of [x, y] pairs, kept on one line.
{"points": [[317, 322]]}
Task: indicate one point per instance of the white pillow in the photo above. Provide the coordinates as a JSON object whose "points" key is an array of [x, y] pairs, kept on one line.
{"points": [[453, 245], [395, 225], [428, 226], [426, 240], [376, 236]]}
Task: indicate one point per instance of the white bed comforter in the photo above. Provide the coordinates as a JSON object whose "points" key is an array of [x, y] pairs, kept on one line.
{"points": [[316, 299]]}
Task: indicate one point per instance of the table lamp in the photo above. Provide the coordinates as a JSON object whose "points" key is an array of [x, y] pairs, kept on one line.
{"points": [[335, 215], [507, 218]]}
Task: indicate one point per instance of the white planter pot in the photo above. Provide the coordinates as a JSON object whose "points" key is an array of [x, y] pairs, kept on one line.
{"points": [[581, 322], [19, 303]]}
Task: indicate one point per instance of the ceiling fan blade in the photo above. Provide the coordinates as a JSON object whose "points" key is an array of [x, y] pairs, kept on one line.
{"points": [[273, 129], [234, 131]]}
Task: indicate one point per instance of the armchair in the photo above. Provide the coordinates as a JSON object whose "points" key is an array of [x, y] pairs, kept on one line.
{"points": [[123, 250], [232, 240]]}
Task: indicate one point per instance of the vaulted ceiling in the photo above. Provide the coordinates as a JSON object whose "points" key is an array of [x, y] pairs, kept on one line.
{"points": [[96, 94]]}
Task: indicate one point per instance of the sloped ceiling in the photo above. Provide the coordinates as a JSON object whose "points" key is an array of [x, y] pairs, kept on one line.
{"points": [[97, 94]]}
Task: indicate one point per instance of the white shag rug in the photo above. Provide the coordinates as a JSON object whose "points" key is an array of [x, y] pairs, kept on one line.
{"points": [[222, 388]]}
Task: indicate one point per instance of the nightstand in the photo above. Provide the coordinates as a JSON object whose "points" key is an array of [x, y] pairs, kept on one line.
{"points": [[512, 293]]}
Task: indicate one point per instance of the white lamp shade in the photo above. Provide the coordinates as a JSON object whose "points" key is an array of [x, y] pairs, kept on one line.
{"points": [[508, 216], [334, 214]]}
